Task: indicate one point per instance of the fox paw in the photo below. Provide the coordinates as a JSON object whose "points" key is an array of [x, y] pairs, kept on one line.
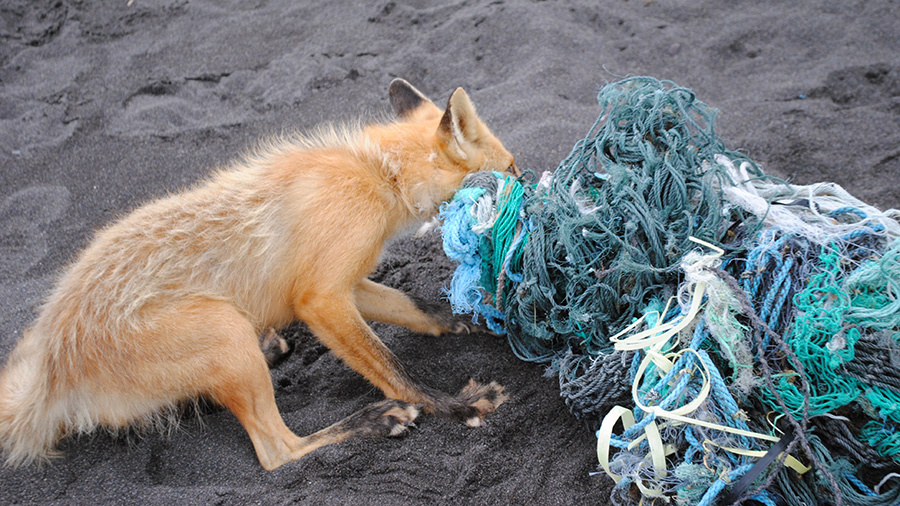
{"points": [[458, 327], [275, 348], [440, 325], [389, 417], [440, 320], [475, 401], [482, 399]]}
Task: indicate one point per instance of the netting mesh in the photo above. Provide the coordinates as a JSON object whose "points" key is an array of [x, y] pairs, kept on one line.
{"points": [[794, 322]]}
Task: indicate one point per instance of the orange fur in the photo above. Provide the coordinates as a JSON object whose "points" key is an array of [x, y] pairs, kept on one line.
{"points": [[168, 303]]}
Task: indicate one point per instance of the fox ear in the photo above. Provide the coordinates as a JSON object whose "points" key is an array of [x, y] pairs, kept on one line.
{"points": [[405, 98], [459, 125]]}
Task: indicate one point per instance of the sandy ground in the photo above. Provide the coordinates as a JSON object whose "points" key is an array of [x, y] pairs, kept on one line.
{"points": [[106, 104]]}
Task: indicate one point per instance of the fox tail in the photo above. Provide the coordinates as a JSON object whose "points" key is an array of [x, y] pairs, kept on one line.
{"points": [[30, 423]]}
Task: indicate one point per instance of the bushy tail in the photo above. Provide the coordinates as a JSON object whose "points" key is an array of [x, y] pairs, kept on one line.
{"points": [[29, 424]]}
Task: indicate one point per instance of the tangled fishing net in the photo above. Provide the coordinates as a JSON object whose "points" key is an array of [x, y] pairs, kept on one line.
{"points": [[729, 336]]}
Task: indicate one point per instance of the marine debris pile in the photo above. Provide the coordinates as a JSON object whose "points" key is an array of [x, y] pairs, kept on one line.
{"points": [[730, 337]]}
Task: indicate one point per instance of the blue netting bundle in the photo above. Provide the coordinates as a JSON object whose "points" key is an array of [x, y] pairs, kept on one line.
{"points": [[798, 317]]}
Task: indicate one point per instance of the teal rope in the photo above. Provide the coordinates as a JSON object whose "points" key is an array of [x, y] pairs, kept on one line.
{"points": [[574, 259]]}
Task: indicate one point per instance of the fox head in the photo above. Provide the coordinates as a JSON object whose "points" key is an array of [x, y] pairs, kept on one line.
{"points": [[462, 142]]}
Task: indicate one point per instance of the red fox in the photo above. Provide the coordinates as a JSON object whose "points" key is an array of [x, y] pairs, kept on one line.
{"points": [[168, 304]]}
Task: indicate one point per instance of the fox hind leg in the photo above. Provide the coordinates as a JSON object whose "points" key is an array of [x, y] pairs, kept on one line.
{"points": [[219, 356]]}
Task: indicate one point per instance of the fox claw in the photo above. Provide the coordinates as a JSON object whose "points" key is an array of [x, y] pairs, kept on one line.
{"points": [[461, 328]]}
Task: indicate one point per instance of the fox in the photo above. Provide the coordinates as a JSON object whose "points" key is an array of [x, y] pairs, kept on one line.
{"points": [[179, 299]]}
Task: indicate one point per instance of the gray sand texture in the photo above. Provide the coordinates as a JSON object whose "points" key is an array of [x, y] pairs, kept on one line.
{"points": [[105, 105]]}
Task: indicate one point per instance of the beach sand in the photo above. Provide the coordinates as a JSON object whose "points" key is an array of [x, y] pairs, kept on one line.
{"points": [[105, 105]]}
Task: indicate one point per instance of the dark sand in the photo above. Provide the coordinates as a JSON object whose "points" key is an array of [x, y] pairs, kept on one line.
{"points": [[105, 105]]}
